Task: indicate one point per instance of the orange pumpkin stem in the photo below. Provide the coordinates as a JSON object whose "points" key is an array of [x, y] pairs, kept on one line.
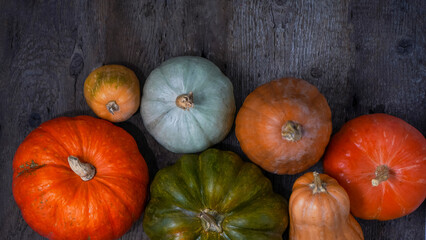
{"points": [[112, 107], [292, 131], [382, 174], [209, 222], [85, 170], [317, 186], [185, 101]]}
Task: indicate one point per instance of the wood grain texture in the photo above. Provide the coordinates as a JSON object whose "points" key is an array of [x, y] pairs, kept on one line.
{"points": [[364, 56]]}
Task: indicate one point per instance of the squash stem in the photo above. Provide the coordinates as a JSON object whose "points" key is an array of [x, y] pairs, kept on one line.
{"points": [[112, 107], [382, 174], [292, 131], [209, 222], [185, 101], [85, 170], [317, 186]]}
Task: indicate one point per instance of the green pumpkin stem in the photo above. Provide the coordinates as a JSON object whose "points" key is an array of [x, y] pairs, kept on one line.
{"points": [[185, 101], [382, 174], [317, 186], [112, 107], [292, 131], [85, 170], [209, 222]]}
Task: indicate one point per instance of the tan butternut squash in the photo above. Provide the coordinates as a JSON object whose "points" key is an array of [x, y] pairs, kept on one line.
{"points": [[319, 209]]}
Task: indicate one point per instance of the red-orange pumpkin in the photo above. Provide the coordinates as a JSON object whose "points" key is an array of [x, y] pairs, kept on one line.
{"points": [[381, 162], [79, 178], [284, 126]]}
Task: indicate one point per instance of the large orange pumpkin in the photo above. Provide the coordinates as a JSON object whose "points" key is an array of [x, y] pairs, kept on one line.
{"points": [[284, 126], [79, 178], [381, 162], [112, 92]]}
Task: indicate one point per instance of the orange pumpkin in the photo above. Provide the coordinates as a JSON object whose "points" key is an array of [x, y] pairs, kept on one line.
{"points": [[381, 162], [319, 209], [284, 126], [79, 178], [112, 92]]}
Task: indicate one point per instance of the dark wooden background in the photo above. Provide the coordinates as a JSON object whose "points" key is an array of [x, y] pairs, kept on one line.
{"points": [[364, 56]]}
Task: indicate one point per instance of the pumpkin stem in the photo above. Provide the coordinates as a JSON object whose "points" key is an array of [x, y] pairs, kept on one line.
{"points": [[112, 107], [382, 174], [85, 170], [185, 101], [211, 220], [292, 131], [317, 186]]}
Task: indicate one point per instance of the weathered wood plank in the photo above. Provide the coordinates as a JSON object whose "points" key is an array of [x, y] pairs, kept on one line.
{"points": [[364, 56], [389, 76]]}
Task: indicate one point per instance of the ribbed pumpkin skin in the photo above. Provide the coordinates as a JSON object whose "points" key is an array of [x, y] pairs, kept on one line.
{"points": [[113, 83], [259, 123], [367, 142], [56, 202], [195, 129], [219, 181], [321, 216]]}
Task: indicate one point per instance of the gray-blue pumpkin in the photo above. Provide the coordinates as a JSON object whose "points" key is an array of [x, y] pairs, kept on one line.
{"points": [[188, 104]]}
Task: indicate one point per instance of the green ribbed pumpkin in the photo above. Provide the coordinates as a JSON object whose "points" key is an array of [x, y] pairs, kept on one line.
{"points": [[214, 195], [188, 104]]}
